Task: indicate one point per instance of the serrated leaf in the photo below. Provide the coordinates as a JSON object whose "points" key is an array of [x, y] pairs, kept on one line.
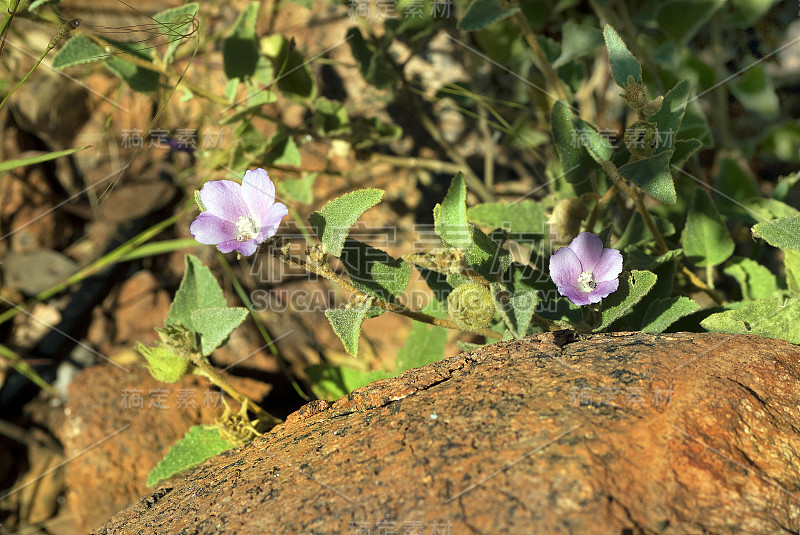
{"points": [[653, 176], [783, 233], [482, 13], [706, 240], [755, 280], [577, 40], [215, 324], [775, 317], [664, 312], [199, 443], [567, 139], [682, 19], [346, 323], [163, 364], [198, 289], [298, 189], [520, 217], [333, 222], [633, 287], [240, 50], [174, 25], [374, 271], [623, 64], [450, 217]]}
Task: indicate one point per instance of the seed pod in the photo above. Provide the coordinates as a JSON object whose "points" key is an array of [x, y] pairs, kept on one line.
{"points": [[471, 306]]}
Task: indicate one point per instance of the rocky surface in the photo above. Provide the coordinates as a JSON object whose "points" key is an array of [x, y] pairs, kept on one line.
{"points": [[617, 433]]}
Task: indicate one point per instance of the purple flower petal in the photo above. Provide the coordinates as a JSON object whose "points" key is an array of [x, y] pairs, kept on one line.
{"points": [[223, 198], [576, 296], [589, 248], [605, 288], [245, 248], [211, 230], [258, 192], [609, 267], [565, 268], [272, 221]]}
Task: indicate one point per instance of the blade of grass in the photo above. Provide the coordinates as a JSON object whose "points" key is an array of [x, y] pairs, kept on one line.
{"points": [[237, 286]]}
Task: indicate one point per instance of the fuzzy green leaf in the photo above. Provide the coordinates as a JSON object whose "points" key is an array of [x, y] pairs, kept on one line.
{"points": [[198, 289], [199, 443], [487, 256], [664, 312], [374, 271], [568, 142], [791, 263], [775, 317], [633, 287], [520, 217], [577, 40], [623, 64], [240, 50], [684, 149], [77, 51], [450, 217], [755, 280], [783, 233], [669, 117], [706, 240], [215, 324], [653, 176], [482, 13], [333, 222], [175, 24], [346, 323]]}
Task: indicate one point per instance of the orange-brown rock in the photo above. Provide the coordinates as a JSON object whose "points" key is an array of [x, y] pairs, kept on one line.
{"points": [[616, 433]]}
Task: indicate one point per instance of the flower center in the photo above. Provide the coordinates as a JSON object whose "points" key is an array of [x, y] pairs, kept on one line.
{"points": [[586, 282], [245, 229]]}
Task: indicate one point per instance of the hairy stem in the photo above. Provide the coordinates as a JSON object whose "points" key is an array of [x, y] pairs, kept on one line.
{"points": [[213, 375], [322, 269]]}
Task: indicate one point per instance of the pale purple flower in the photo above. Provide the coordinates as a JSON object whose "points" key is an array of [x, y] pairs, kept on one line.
{"points": [[237, 217], [584, 271]]}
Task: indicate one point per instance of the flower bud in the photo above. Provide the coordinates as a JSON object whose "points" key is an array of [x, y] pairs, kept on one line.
{"points": [[641, 138], [471, 306]]}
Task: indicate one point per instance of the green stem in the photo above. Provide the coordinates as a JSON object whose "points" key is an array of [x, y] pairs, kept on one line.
{"points": [[542, 64], [323, 270], [6, 24], [71, 25], [117, 255], [209, 371], [237, 286]]}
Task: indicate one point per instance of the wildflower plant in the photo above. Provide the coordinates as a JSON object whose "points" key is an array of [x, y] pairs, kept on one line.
{"points": [[623, 238]]}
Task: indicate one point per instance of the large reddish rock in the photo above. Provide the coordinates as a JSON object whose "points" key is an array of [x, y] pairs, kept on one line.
{"points": [[616, 433]]}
